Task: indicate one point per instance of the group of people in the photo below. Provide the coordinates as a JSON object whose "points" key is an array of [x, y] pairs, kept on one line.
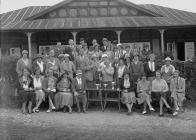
{"points": [[64, 79]]}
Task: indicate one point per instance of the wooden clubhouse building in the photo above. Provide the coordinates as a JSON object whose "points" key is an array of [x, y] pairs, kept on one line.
{"points": [[165, 29]]}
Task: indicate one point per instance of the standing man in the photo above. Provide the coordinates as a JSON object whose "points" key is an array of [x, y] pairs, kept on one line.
{"points": [[105, 44], [80, 91], [70, 49]]}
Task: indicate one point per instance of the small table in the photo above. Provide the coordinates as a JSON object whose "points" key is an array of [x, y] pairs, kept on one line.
{"points": [[108, 98], [97, 96]]}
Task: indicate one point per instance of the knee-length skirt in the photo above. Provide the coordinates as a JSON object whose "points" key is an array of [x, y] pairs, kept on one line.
{"points": [[128, 97], [62, 99], [179, 97], [50, 94], [40, 95], [26, 96], [155, 96], [142, 97]]}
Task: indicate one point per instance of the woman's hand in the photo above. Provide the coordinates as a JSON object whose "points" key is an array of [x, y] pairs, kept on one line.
{"points": [[75, 93]]}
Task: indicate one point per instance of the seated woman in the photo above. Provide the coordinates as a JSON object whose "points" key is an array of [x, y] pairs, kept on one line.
{"points": [[64, 97], [50, 89], [128, 94], [177, 88], [38, 87], [26, 94], [159, 92], [143, 90]]}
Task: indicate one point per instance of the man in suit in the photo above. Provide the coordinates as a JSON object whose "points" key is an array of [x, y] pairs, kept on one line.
{"points": [[105, 44], [150, 68], [177, 88], [79, 84], [69, 49]]}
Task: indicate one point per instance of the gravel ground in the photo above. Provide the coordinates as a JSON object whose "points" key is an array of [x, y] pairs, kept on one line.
{"points": [[96, 125]]}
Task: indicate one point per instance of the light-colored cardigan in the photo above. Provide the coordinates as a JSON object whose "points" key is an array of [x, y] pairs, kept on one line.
{"points": [[180, 87]]}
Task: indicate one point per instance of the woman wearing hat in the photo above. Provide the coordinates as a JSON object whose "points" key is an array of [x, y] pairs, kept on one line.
{"points": [[23, 63], [53, 63], [167, 70], [67, 65], [128, 94], [38, 63], [64, 98], [26, 93], [121, 50]]}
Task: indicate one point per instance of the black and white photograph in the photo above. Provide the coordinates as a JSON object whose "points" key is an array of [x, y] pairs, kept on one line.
{"points": [[97, 70]]}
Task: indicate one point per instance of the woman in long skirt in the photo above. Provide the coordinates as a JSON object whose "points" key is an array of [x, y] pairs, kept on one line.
{"points": [[64, 97]]}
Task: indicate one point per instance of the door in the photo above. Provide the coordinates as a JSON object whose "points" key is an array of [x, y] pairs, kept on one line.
{"points": [[189, 50], [171, 47], [181, 51]]}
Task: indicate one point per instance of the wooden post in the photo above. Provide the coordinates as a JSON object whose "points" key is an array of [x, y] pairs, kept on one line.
{"points": [[74, 37], [29, 43], [118, 34], [162, 40]]}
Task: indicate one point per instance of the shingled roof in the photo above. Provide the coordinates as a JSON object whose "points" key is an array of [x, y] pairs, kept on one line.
{"points": [[37, 18]]}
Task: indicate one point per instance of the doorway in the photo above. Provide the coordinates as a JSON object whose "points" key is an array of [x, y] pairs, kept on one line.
{"points": [[181, 51]]}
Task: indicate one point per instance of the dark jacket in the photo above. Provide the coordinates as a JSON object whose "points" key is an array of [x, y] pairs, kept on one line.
{"points": [[131, 88], [76, 86], [30, 82], [147, 70]]}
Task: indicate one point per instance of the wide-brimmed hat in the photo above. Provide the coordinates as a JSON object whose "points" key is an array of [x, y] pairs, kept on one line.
{"points": [[24, 52], [78, 72], [168, 59], [115, 42], [104, 55], [66, 55], [38, 56], [94, 56], [119, 44], [61, 55]]}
